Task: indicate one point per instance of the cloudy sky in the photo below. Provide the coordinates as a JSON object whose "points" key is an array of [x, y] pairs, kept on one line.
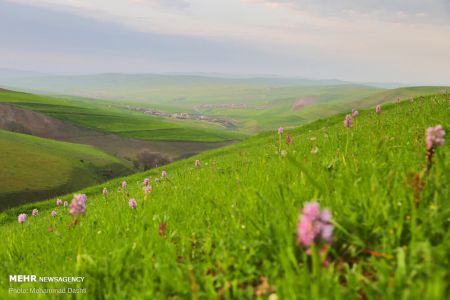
{"points": [[359, 40]]}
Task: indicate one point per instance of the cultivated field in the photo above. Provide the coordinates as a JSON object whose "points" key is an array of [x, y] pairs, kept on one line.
{"points": [[231, 225]]}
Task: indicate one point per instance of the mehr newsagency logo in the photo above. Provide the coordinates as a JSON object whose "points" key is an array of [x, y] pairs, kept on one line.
{"points": [[46, 279]]}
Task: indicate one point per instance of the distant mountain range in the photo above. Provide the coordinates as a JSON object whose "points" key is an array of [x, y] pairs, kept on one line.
{"points": [[78, 84]]}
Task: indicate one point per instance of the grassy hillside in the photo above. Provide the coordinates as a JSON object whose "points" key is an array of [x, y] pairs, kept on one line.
{"points": [[108, 117], [259, 103], [34, 168], [227, 229]]}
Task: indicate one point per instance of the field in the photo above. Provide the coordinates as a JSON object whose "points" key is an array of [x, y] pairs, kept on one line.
{"points": [[33, 168], [228, 228], [246, 105], [107, 117]]}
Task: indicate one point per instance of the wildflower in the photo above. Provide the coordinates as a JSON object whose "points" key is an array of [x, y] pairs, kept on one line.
{"points": [[348, 121], [59, 202], [355, 113], [22, 218], [35, 212], [288, 139], [124, 184], [147, 190], [146, 181], [197, 163], [435, 136], [378, 109], [53, 213], [105, 192], [78, 205], [66, 203], [314, 226], [163, 174], [280, 130], [132, 203]]}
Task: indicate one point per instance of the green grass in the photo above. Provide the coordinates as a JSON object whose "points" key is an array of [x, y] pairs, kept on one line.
{"points": [[34, 168], [233, 221], [109, 117]]}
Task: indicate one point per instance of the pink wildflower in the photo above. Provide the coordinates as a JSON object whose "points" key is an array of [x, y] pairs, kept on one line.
{"points": [[53, 213], [59, 202], [132, 203], [355, 113], [66, 203], [348, 121], [147, 190], [314, 225], [197, 163], [435, 136], [35, 212], [22, 218], [378, 109], [280, 130], [124, 184], [163, 174], [105, 192], [146, 181], [78, 205]]}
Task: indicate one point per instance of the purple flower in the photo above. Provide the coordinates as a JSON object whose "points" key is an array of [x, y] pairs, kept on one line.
{"points": [[124, 184], [59, 202], [147, 190], [105, 192], [163, 174], [348, 121], [78, 205], [435, 136], [197, 163], [66, 203], [355, 113], [132, 203], [146, 181], [53, 213], [280, 130], [314, 226], [35, 212], [378, 109], [22, 218]]}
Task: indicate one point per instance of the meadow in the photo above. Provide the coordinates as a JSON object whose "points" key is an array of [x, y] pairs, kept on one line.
{"points": [[108, 117], [34, 168], [225, 223]]}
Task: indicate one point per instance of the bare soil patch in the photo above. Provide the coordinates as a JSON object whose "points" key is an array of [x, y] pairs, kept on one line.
{"points": [[301, 102]]}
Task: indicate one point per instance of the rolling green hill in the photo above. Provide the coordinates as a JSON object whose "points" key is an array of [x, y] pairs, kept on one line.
{"points": [[108, 117], [228, 229], [246, 105], [34, 168]]}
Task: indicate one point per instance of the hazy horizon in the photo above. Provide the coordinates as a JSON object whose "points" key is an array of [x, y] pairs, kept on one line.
{"points": [[349, 40]]}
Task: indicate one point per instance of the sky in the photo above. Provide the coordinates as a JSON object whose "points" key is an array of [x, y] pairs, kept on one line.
{"points": [[355, 40]]}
